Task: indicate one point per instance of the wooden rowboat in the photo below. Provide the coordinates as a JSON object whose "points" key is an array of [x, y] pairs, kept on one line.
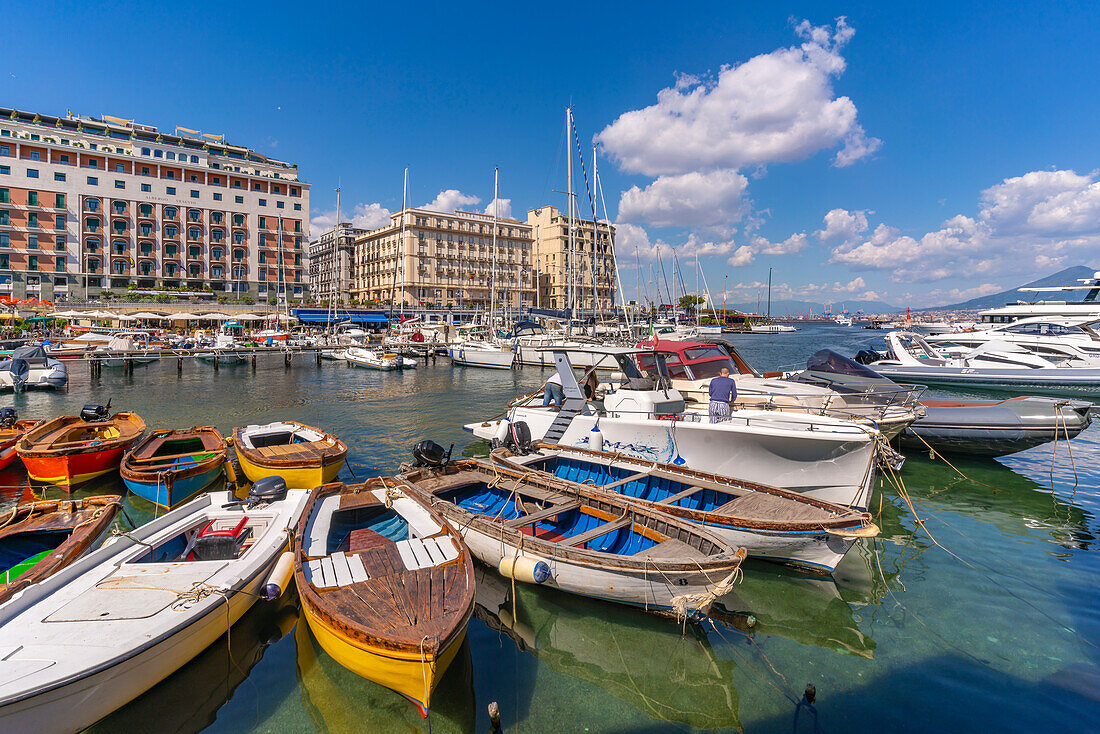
{"points": [[768, 522], [534, 529], [387, 586], [71, 450], [170, 465], [305, 457], [38, 539], [9, 437]]}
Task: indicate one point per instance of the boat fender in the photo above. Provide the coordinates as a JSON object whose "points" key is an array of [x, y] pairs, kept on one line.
{"points": [[502, 432], [279, 577], [595, 438], [524, 568]]}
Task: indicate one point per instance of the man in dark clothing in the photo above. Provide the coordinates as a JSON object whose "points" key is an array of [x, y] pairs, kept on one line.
{"points": [[722, 392]]}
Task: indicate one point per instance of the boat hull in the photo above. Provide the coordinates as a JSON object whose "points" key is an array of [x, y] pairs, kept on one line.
{"points": [[171, 492], [492, 359], [8, 454], [303, 477], [70, 470], [405, 674], [838, 468]]}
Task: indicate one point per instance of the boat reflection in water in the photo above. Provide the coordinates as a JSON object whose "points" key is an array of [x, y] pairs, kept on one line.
{"points": [[188, 701], [338, 700], [665, 670]]}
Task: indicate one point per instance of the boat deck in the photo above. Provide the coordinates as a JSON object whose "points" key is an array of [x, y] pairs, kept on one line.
{"points": [[312, 451]]}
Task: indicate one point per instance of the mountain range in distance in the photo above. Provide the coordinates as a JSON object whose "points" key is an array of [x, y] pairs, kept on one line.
{"points": [[785, 308]]}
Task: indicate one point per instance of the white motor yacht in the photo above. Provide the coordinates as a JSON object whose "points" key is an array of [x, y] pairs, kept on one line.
{"points": [[820, 456], [372, 359], [30, 368], [1053, 337]]}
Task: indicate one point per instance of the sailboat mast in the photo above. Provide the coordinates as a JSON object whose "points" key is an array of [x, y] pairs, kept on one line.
{"points": [[493, 268], [401, 244], [570, 262], [769, 293], [335, 264]]}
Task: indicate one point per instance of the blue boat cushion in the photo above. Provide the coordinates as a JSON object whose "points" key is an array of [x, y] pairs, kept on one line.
{"points": [[381, 520], [19, 547], [649, 488]]}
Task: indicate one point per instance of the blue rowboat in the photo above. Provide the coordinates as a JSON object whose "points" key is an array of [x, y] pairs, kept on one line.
{"points": [[170, 466]]}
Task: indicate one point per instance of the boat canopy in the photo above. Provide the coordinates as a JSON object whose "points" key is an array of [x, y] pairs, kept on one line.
{"points": [[826, 360], [31, 353]]}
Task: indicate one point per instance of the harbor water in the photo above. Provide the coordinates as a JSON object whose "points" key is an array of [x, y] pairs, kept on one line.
{"points": [[975, 609]]}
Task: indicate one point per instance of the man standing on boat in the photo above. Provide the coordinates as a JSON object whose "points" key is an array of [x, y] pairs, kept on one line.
{"points": [[552, 392], [722, 392]]}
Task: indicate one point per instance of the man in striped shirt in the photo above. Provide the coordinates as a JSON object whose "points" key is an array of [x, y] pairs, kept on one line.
{"points": [[722, 392]]}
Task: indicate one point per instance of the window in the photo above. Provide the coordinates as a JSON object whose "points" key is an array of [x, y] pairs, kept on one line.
{"points": [[171, 156], [217, 197], [263, 202], [5, 218], [59, 177], [4, 261], [263, 223], [297, 207], [119, 184], [6, 170], [236, 184], [194, 159], [193, 178], [238, 199], [93, 163], [238, 219], [146, 229], [119, 168], [238, 255], [145, 171], [5, 241], [32, 173], [170, 250], [263, 256], [91, 244], [120, 207], [59, 266], [32, 219], [146, 210], [194, 193], [91, 205], [293, 191], [32, 242], [216, 180], [61, 242], [278, 205], [32, 198], [146, 188], [170, 212], [59, 201], [32, 262], [171, 190], [59, 221], [170, 231], [5, 150], [93, 181], [238, 238], [194, 233], [217, 272], [194, 252], [158, 153], [170, 174], [262, 272], [216, 253], [145, 151], [255, 186], [34, 155], [298, 226]]}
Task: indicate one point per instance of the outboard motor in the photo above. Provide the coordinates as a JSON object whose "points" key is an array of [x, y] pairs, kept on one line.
{"points": [[20, 371], [95, 413], [8, 417], [866, 356], [267, 489], [429, 453], [518, 440]]}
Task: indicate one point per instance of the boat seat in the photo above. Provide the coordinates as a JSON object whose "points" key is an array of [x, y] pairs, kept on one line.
{"points": [[219, 544], [680, 495], [335, 570], [420, 523], [598, 531], [542, 514], [417, 553], [317, 542]]}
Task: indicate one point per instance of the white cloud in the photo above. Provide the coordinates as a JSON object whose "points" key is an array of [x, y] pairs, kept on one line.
{"points": [[503, 208], [774, 107], [792, 245], [743, 255], [695, 199], [365, 216], [449, 200], [837, 290], [1025, 226], [842, 225]]}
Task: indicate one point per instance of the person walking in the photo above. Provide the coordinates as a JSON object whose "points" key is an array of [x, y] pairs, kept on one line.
{"points": [[722, 392], [553, 392]]}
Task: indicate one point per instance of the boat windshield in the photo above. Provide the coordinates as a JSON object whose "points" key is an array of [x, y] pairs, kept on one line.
{"points": [[826, 360]]}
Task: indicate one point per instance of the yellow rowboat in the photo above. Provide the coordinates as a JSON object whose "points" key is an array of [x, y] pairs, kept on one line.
{"points": [[387, 586], [305, 457]]}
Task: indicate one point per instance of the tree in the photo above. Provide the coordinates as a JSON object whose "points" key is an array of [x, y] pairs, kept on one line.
{"points": [[689, 302]]}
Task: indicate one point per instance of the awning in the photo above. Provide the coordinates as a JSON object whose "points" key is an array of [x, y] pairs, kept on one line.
{"points": [[354, 316]]}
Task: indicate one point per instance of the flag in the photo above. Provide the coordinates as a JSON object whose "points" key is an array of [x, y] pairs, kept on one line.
{"points": [[213, 137], [187, 130]]}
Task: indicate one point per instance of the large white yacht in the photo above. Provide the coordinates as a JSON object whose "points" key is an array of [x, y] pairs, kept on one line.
{"points": [[1053, 337], [1087, 307]]}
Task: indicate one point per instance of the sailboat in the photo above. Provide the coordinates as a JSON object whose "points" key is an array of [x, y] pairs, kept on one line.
{"points": [[769, 326], [488, 352]]}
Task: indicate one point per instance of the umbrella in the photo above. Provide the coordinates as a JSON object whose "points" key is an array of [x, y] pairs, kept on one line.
{"points": [[250, 317], [233, 322], [181, 316], [215, 316], [148, 315]]}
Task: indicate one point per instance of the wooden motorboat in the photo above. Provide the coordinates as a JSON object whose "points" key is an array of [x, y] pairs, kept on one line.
{"points": [[37, 539], [72, 449], [113, 624], [768, 522], [535, 529], [387, 586], [11, 430], [304, 456], [171, 465]]}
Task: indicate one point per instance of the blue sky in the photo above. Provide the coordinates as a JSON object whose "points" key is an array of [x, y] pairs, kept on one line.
{"points": [[912, 157]]}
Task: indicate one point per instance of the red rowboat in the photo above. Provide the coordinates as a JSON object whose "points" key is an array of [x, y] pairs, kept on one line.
{"points": [[72, 449]]}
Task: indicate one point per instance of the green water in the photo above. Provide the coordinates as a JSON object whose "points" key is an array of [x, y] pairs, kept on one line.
{"points": [[1002, 635]]}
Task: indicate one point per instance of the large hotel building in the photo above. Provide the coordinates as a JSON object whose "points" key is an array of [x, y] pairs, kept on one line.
{"points": [[444, 260], [590, 274], [88, 205]]}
